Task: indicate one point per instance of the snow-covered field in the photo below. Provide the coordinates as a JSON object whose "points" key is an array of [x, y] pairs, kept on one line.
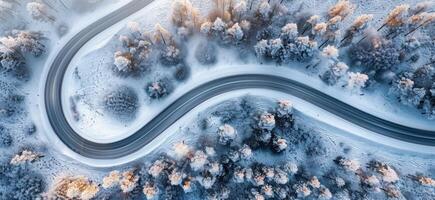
{"points": [[95, 60], [380, 166]]}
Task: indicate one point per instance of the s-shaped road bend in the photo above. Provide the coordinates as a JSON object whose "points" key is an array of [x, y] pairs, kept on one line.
{"points": [[191, 99]]}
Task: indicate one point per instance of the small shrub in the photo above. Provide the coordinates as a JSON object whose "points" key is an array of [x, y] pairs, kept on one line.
{"points": [[206, 53], [121, 102]]}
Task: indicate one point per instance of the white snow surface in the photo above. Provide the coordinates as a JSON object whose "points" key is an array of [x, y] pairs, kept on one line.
{"points": [[306, 113], [375, 103], [105, 130], [94, 56]]}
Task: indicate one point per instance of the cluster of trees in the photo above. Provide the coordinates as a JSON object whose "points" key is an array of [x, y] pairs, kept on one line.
{"points": [[417, 88], [141, 50], [15, 46], [230, 167], [273, 33], [20, 182], [268, 29], [11, 104]]}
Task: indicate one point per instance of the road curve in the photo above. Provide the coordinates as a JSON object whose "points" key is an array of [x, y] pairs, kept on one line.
{"points": [[193, 98]]}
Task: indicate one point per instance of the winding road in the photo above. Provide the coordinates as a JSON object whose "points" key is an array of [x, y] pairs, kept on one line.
{"points": [[193, 98]]}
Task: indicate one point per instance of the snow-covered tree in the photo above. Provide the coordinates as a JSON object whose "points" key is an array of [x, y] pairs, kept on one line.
{"points": [[319, 29], [357, 80], [206, 180], [158, 89], [266, 121], [285, 107], [185, 15], [375, 54], [175, 177], [123, 62], [289, 32], [206, 28], [128, 181], [267, 190], [398, 16], [239, 175], [218, 28], [246, 152], [10, 59], [111, 180], [339, 182], [426, 181], [240, 9], [302, 190], [187, 185], [420, 7], [334, 73], [310, 23], [30, 42], [226, 134], [25, 157], [161, 36], [18, 43], [123, 102], [281, 177], [371, 181], [348, 164], [262, 48], [284, 113], [302, 50], [291, 168], [406, 92], [181, 150], [264, 10], [342, 9], [314, 182], [156, 169], [392, 191], [279, 144], [358, 25], [235, 33], [330, 52], [324, 193], [171, 55], [234, 155], [20, 182], [39, 11], [79, 187], [276, 48], [206, 53], [214, 168], [198, 161], [150, 190], [387, 173]]}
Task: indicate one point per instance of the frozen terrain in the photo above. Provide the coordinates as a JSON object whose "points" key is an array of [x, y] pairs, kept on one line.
{"points": [[244, 144], [91, 75]]}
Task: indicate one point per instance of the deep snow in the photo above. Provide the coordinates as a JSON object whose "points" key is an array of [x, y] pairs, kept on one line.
{"points": [[94, 61]]}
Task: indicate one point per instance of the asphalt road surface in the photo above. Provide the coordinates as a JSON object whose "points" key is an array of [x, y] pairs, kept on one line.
{"points": [[193, 98]]}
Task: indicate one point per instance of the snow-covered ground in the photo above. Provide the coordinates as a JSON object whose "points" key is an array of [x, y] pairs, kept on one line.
{"points": [[94, 61], [376, 103], [32, 89], [313, 116]]}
